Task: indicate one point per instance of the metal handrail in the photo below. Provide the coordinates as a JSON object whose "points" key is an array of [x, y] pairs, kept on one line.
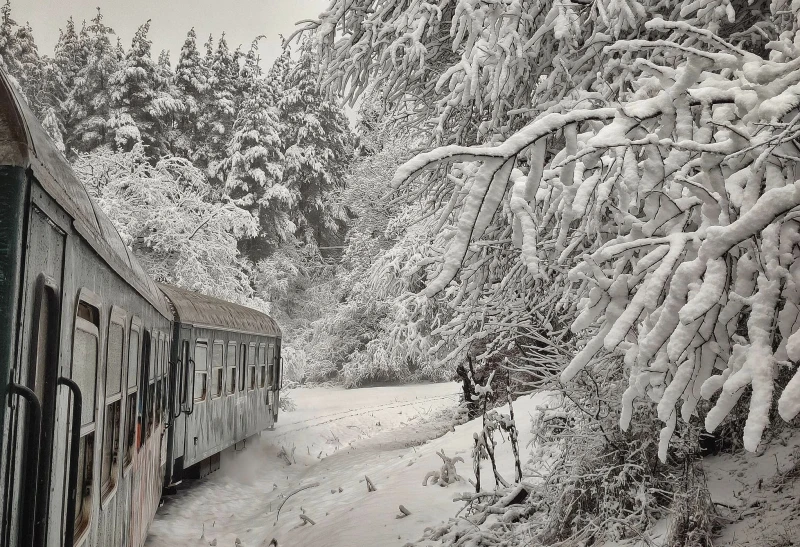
{"points": [[34, 433], [74, 454]]}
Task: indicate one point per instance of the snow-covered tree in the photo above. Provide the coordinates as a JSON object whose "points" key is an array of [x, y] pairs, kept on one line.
{"points": [[219, 107], [166, 215], [253, 167], [277, 75], [317, 148], [191, 82], [135, 90], [92, 89], [633, 155]]}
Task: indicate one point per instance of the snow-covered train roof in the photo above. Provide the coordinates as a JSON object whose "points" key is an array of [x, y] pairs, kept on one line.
{"points": [[202, 310], [24, 143]]}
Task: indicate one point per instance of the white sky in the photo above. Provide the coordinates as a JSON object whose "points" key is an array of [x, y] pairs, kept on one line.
{"points": [[242, 20]]}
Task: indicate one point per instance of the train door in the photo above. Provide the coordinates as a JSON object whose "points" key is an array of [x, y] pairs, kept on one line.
{"points": [[181, 391], [27, 449], [241, 400], [272, 393]]}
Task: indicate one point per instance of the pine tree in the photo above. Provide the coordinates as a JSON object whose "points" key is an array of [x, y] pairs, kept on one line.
{"points": [[135, 88], [253, 165], [219, 109], [92, 89], [277, 75], [9, 47], [191, 82], [317, 148], [71, 54]]}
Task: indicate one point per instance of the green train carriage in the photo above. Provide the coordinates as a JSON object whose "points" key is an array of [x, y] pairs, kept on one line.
{"points": [[107, 396]]}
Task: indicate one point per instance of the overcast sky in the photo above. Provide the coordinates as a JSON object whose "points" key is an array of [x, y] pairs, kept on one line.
{"points": [[241, 20]]}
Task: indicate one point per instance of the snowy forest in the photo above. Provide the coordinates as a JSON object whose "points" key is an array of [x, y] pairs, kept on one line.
{"points": [[596, 199]]}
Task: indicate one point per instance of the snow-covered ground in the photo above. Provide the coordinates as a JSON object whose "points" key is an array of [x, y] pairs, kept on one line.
{"points": [[337, 437]]}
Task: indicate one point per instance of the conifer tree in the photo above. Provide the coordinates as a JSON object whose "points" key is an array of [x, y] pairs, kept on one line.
{"points": [[219, 108], [317, 148], [9, 47], [71, 53], [92, 88], [253, 166], [191, 82], [135, 88], [277, 75]]}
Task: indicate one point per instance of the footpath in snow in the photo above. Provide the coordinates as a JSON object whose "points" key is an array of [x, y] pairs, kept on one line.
{"points": [[334, 439]]}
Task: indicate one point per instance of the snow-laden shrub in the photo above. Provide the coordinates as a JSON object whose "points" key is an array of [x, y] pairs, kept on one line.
{"points": [[294, 362], [604, 483]]}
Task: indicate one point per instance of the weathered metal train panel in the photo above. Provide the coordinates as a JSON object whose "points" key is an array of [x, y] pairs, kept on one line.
{"points": [[44, 261], [218, 423], [12, 203], [145, 474]]}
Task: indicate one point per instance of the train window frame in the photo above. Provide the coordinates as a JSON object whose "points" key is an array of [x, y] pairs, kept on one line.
{"points": [[144, 373], [251, 366], [230, 377], [157, 403], [185, 375], [113, 405], [165, 375], [271, 366], [218, 370], [262, 365], [200, 342], [87, 319], [131, 394], [242, 370], [149, 423]]}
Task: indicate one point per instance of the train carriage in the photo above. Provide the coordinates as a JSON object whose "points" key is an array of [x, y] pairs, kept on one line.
{"points": [[109, 383], [226, 358]]}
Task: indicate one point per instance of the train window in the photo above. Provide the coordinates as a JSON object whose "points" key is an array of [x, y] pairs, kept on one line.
{"points": [[165, 376], [242, 362], [159, 375], [277, 365], [271, 366], [152, 364], [262, 365], [217, 377], [231, 363], [133, 355], [85, 353], [130, 401], [144, 374], [84, 365], [113, 406], [278, 379], [116, 346], [83, 494], [108, 469], [200, 371], [251, 367]]}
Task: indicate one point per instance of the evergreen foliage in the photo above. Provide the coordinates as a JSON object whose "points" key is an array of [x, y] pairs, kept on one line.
{"points": [[317, 145]]}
